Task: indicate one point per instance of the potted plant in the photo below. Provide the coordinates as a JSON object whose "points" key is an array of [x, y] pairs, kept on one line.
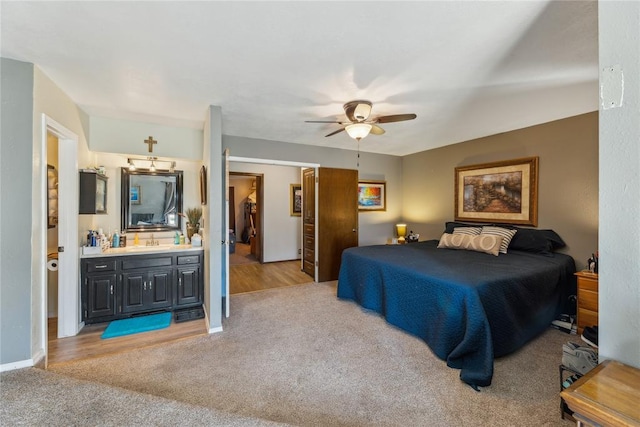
{"points": [[193, 216]]}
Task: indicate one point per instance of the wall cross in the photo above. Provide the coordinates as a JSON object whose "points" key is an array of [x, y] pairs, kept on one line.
{"points": [[150, 142]]}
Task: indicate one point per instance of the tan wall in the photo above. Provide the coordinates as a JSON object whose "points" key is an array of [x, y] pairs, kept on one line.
{"points": [[567, 186]]}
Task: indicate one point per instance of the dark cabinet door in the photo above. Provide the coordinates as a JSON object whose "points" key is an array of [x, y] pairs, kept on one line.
{"points": [[159, 289], [93, 193], [101, 297], [146, 290], [189, 285], [134, 286]]}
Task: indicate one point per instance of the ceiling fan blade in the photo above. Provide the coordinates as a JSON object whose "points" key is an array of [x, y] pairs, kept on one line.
{"points": [[323, 121], [334, 132], [376, 130], [395, 118]]}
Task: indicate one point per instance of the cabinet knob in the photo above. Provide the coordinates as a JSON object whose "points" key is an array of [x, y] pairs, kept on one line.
{"points": [[145, 286], [111, 289]]}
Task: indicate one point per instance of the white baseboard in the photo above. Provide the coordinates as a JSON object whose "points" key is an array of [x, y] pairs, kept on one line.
{"points": [[215, 330], [16, 365]]}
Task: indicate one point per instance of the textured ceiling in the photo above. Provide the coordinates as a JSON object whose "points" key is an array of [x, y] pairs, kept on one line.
{"points": [[467, 69]]}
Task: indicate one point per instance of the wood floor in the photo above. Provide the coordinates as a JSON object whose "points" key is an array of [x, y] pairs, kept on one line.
{"points": [[87, 344]]}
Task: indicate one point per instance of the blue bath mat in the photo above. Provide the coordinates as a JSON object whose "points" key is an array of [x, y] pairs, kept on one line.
{"points": [[135, 325]]}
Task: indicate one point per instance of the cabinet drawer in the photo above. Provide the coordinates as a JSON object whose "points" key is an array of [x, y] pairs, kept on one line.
{"points": [[587, 318], [143, 262], [190, 259], [104, 265], [309, 230], [588, 300], [308, 267], [588, 284], [309, 242], [309, 255]]}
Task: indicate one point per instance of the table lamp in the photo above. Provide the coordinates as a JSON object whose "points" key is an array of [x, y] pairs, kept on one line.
{"points": [[401, 230]]}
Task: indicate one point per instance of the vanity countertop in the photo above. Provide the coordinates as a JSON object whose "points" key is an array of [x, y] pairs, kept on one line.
{"points": [[143, 250]]}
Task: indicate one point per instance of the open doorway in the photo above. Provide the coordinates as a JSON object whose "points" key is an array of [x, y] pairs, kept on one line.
{"points": [[52, 235], [246, 225]]}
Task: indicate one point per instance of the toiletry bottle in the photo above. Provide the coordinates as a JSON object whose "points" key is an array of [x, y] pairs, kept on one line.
{"points": [[136, 240], [182, 239], [116, 240], [123, 239], [176, 239]]}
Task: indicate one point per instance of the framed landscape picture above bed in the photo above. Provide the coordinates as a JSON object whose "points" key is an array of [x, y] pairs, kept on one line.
{"points": [[372, 195], [504, 192]]}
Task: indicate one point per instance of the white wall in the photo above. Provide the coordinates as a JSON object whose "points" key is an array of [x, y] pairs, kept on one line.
{"points": [[282, 232], [127, 136], [619, 241]]}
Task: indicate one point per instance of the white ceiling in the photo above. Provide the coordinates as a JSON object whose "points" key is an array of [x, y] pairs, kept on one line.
{"points": [[467, 68]]}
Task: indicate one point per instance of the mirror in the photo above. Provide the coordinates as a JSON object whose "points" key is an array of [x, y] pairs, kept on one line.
{"points": [[151, 201]]}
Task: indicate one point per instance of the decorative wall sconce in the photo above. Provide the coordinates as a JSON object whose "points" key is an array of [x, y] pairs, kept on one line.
{"points": [[152, 165]]}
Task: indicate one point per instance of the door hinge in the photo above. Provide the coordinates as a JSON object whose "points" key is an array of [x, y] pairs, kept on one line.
{"points": [[85, 314], [317, 179], [316, 263]]}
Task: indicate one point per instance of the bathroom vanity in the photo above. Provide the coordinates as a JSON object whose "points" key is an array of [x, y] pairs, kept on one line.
{"points": [[122, 282]]}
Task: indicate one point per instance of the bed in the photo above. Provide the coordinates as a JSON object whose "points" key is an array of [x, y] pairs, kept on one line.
{"points": [[468, 306]]}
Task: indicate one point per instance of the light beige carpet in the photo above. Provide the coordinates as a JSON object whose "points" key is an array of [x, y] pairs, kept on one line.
{"points": [[298, 355]]}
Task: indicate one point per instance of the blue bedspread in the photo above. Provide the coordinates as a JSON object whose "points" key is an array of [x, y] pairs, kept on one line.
{"points": [[469, 307]]}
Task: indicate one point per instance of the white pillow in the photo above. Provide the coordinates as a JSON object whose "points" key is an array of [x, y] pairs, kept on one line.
{"points": [[488, 243], [473, 231], [505, 233]]}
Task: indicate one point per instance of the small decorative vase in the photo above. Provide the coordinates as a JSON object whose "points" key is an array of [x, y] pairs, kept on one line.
{"points": [[192, 229]]}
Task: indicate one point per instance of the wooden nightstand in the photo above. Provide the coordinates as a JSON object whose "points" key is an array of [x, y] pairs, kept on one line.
{"points": [[587, 308], [607, 395]]}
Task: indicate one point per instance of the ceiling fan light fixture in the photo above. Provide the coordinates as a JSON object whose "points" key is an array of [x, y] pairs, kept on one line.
{"points": [[362, 111], [358, 131]]}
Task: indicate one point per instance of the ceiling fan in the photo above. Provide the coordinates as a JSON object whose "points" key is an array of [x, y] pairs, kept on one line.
{"points": [[359, 123]]}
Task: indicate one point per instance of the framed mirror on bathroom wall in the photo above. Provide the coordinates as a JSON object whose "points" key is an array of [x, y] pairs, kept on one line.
{"points": [[151, 201]]}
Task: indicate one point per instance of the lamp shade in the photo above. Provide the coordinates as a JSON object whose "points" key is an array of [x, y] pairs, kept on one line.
{"points": [[401, 229], [358, 130]]}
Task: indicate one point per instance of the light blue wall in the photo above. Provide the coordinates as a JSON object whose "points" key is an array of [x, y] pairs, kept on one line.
{"points": [[619, 241], [16, 154]]}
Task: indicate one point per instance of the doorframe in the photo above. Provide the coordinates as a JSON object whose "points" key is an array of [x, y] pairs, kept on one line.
{"points": [[68, 290], [301, 165]]}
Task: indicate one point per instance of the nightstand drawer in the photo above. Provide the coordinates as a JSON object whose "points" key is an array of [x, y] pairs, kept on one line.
{"points": [[586, 318], [588, 300], [588, 284]]}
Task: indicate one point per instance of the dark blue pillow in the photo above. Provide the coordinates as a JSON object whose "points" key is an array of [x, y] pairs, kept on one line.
{"points": [[526, 239]]}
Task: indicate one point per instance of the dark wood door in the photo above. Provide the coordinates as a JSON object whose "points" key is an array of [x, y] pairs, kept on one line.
{"points": [[101, 299], [142, 290], [337, 218], [188, 285], [308, 221], [159, 289], [133, 287]]}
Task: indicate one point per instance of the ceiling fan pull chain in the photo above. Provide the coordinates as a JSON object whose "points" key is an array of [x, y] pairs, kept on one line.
{"points": [[358, 163]]}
